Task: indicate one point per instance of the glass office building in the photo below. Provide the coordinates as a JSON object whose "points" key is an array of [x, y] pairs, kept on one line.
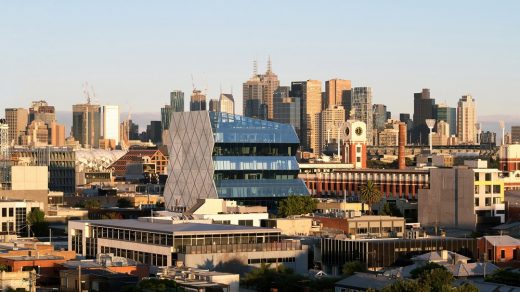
{"points": [[220, 155]]}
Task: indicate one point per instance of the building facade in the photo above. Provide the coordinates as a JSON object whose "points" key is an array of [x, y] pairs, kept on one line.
{"points": [[423, 109], [184, 243], [287, 108], [197, 101], [310, 93], [329, 129], [235, 158], [466, 120], [362, 107], [17, 119], [448, 114], [227, 103], [86, 124], [338, 92]]}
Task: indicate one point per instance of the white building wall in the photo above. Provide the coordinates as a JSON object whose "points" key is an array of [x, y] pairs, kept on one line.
{"points": [[111, 122], [31, 178]]}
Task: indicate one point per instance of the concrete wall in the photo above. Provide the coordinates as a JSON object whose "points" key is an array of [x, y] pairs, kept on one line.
{"points": [[297, 226], [238, 260], [32, 195], [450, 200], [16, 280], [29, 177]]}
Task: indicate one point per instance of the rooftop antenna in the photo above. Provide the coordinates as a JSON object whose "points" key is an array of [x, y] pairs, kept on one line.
{"points": [[269, 64], [255, 68], [86, 93], [192, 83]]}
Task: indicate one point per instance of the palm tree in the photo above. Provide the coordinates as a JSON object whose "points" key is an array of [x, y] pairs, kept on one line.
{"points": [[370, 194]]}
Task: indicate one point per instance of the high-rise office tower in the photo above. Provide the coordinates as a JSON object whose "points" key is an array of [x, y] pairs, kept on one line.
{"points": [[310, 94], [198, 101], [17, 120], [380, 116], [176, 105], [424, 108], [330, 123], [226, 103], [110, 114], [42, 111], [448, 114], [177, 100], [86, 124], [338, 92], [258, 94], [37, 134], [287, 108], [515, 134], [466, 120], [362, 108], [154, 132], [4, 143], [57, 134], [214, 105]]}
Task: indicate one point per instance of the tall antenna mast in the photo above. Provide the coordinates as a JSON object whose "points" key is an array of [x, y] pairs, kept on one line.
{"points": [[255, 67], [269, 64]]}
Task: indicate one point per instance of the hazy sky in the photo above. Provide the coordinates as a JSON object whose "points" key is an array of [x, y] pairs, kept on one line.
{"points": [[135, 52]]}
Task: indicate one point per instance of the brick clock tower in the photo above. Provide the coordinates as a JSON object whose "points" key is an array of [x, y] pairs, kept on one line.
{"points": [[354, 150]]}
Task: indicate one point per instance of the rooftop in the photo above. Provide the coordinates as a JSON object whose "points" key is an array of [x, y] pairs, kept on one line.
{"points": [[178, 228], [502, 240], [366, 281]]}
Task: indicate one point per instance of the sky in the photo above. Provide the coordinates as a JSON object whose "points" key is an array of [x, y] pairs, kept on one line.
{"points": [[134, 53]]}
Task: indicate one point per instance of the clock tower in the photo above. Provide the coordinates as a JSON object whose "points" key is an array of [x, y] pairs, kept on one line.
{"points": [[354, 143]]}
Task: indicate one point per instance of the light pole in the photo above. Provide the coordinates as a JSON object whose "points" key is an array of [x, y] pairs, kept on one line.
{"points": [[430, 123]]}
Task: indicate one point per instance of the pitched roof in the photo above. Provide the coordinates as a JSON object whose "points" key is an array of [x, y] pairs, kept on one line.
{"points": [[366, 281], [502, 240]]}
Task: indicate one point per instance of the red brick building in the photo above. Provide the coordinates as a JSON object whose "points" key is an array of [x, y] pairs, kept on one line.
{"points": [[500, 249]]}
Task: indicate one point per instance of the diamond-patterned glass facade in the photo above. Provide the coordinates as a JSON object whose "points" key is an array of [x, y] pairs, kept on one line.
{"points": [[221, 155]]}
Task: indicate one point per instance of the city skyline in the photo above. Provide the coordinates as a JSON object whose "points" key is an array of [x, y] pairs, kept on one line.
{"points": [[139, 68]]}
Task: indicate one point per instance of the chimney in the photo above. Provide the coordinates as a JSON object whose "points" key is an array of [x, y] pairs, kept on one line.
{"points": [[401, 143]]}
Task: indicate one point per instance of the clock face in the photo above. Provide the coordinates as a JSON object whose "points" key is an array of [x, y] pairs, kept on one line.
{"points": [[347, 131], [359, 131]]}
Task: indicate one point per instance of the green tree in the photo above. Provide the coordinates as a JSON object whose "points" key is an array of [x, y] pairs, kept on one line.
{"points": [[439, 279], [37, 223], [296, 205], [418, 272], [370, 194], [406, 286], [349, 268], [154, 285], [124, 203], [3, 268], [92, 204]]}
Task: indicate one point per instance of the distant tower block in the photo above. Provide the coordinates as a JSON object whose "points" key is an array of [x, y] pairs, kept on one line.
{"points": [[401, 144], [503, 127], [4, 140], [430, 123]]}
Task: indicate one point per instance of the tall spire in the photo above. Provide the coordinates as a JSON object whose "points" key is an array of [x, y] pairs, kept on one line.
{"points": [[269, 64], [255, 68]]}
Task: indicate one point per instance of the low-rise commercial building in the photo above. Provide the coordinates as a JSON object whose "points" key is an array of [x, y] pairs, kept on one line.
{"points": [[201, 280], [190, 244], [500, 249]]}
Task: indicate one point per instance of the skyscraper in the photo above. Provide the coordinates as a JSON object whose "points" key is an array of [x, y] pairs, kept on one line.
{"points": [[198, 101], [287, 108], [466, 120], [330, 121], [362, 108], [338, 92], [258, 94], [177, 100], [57, 134], [380, 116], [111, 123], [214, 105], [86, 124], [227, 103], [176, 105], [42, 111], [424, 108], [448, 114], [17, 120], [310, 93]]}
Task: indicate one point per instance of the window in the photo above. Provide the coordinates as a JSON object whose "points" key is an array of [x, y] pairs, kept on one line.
{"points": [[503, 253], [477, 202], [245, 222], [488, 176], [496, 200], [4, 212], [477, 189], [11, 212], [488, 189], [496, 189], [477, 176], [488, 201]]}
